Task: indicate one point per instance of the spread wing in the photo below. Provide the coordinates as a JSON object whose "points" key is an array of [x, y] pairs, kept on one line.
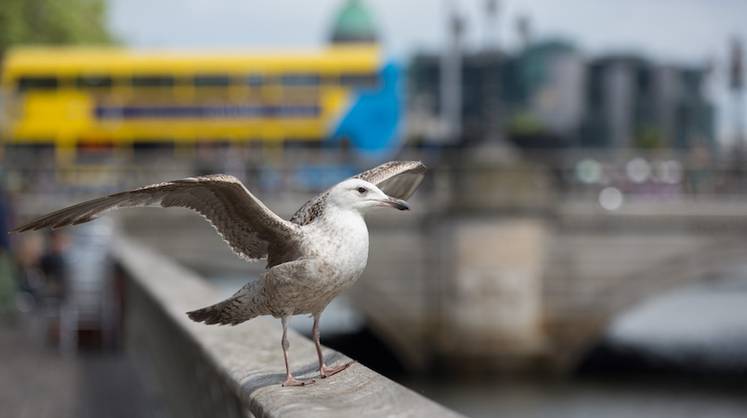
{"points": [[241, 219], [397, 179]]}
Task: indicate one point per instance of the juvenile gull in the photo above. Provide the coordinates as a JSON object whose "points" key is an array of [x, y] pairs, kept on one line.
{"points": [[318, 253]]}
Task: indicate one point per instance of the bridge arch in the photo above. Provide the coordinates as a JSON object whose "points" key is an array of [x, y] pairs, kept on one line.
{"points": [[570, 346]]}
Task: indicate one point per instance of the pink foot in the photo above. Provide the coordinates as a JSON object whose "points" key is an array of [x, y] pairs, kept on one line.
{"points": [[292, 381], [326, 372]]}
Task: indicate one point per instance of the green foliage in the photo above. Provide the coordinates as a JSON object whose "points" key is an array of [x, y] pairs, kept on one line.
{"points": [[648, 138], [55, 22], [525, 123]]}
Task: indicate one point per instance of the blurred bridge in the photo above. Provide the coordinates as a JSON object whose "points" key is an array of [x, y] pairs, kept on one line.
{"points": [[505, 266], [507, 280]]}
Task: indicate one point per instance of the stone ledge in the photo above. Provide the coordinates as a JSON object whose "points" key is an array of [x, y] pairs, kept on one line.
{"points": [[209, 371]]}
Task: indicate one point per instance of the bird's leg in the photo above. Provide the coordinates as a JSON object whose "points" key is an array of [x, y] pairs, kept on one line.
{"points": [[324, 371], [289, 379]]}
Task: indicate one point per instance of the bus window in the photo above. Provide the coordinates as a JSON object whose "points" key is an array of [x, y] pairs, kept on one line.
{"points": [[255, 80], [330, 79], [300, 79], [359, 80], [37, 83], [93, 81], [211, 80], [153, 81]]}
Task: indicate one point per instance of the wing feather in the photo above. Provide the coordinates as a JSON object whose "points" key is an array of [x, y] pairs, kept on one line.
{"points": [[242, 220], [397, 179]]}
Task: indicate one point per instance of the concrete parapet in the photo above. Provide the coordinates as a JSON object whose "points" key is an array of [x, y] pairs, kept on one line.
{"points": [[211, 371]]}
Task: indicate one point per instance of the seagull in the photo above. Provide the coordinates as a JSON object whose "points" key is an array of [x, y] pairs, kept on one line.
{"points": [[311, 258]]}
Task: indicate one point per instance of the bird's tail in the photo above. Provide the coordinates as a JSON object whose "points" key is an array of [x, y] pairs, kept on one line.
{"points": [[231, 311]]}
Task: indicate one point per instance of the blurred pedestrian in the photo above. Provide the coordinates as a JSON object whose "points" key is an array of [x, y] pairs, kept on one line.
{"points": [[53, 265], [29, 278], [7, 281]]}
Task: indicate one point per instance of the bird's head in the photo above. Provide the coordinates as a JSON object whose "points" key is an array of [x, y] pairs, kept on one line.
{"points": [[360, 195]]}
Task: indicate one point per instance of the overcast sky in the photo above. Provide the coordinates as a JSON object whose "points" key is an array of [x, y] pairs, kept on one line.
{"points": [[692, 31]]}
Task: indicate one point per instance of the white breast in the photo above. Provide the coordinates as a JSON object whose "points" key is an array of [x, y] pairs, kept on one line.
{"points": [[341, 239]]}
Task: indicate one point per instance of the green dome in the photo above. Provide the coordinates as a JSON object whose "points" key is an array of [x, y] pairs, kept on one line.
{"points": [[354, 23]]}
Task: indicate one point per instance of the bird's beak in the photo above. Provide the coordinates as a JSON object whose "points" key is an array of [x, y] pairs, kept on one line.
{"points": [[396, 203]]}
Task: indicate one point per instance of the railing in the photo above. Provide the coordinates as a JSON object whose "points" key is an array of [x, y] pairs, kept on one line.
{"points": [[211, 371], [532, 182]]}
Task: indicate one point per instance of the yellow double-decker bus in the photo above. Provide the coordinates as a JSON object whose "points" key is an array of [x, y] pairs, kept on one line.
{"points": [[71, 97]]}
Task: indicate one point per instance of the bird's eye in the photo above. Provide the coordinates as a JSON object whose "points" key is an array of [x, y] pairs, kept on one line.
{"points": [[362, 190]]}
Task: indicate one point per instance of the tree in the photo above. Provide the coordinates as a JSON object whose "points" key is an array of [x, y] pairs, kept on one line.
{"points": [[55, 22]]}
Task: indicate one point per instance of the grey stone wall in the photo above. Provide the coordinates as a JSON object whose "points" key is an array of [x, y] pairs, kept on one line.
{"points": [[212, 371]]}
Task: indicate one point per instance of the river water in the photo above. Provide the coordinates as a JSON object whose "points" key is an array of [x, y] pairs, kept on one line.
{"points": [[593, 398], [683, 354]]}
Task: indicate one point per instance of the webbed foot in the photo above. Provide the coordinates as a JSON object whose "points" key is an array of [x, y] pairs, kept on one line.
{"points": [[326, 372], [292, 381]]}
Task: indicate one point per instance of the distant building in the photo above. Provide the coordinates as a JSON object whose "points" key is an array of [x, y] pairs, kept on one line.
{"points": [[481, 90], [635, 103], [354, 23], [612, 83], [550, 107], [538, 92], [548, 95]]}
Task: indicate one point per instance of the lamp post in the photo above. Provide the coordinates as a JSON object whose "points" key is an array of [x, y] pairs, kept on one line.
{"points": [[451, 76], [736, 86]]}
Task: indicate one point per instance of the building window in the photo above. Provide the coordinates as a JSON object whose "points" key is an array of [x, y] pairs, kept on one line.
{"points": [[255, 80]]}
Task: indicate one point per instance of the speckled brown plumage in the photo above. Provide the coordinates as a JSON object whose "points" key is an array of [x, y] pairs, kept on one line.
{"points": [[319, 253], [243, 221]]}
